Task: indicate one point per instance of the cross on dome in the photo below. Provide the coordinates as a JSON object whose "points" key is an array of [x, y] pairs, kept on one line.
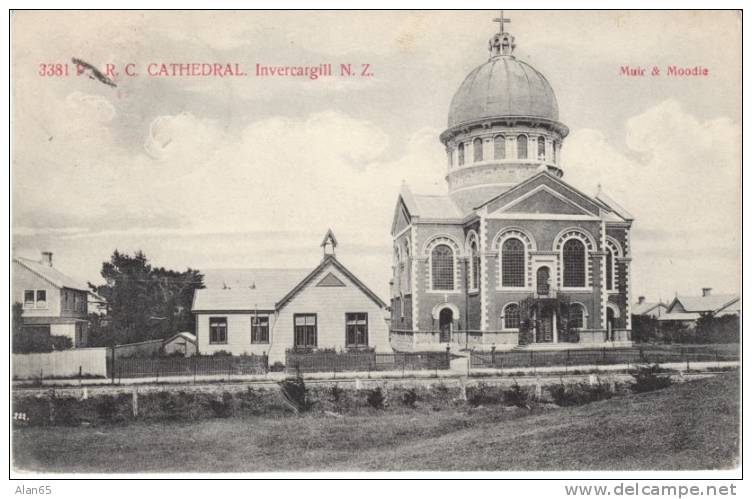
{"points": [[501, 43], [501, 20]]}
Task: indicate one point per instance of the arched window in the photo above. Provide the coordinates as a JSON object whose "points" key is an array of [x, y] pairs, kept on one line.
{"points": [[573, 257], [542, 281], [554, 151], [474, 265], [521, 147], [477, 150], [541, 148], [610, 284], [500, 147], [513, 264], [511, 315], [576, 316], [442, 267]]}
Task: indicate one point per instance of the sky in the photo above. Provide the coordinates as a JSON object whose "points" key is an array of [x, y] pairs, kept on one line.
{"points": [[241, 172]]}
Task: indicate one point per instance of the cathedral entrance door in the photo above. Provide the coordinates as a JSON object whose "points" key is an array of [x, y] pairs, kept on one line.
{"points": [[445, 325], [545, 330]]}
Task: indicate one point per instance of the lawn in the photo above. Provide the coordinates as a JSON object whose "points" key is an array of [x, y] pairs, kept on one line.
{"points": [[694, 425]]}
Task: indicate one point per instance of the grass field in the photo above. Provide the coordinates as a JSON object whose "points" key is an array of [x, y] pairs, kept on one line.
{"points": [[694, 425]]}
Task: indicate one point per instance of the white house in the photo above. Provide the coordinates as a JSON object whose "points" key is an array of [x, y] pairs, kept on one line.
{"points": [[52, 302], [273, 310]]}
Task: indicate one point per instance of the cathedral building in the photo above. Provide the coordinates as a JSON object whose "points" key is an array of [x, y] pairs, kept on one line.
{"points": [[512, 256]]}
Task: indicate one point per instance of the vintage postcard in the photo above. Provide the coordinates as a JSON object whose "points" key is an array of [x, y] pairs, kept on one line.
{"points": [[254, 242]]}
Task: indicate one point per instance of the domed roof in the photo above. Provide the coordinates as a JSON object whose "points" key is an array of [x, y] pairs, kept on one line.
{"points": [[503, 86]]}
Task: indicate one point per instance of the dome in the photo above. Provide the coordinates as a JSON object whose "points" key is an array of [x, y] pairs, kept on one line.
{"points": [[503, 86]]}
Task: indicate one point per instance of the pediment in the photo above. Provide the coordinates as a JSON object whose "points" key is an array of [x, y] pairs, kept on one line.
{"points": [[330, 281], [544, 200]]}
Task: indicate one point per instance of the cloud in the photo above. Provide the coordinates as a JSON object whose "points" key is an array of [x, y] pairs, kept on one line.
{"points": [[681, 179]]}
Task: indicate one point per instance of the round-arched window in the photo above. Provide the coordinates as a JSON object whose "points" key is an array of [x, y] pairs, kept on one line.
{"points": [[522, 147], [573, 256], [442, 267]]}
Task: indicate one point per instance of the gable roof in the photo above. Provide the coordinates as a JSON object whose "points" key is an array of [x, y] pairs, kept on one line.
{"points": [[433, 206], [645, 307], [704, 304], [50, 274], [244, 289], [272, 288], [613, 205], [330, 260], [184, 335]]}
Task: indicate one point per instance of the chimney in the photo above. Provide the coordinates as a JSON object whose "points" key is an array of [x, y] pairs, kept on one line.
{"points": [[47, 258], [640, 300], [706, 291]]}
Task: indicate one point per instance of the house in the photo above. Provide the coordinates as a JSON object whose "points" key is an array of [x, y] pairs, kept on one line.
{"points": [[650, 309], [512, 256], [52, 302], [270, 311], [687, 309]]}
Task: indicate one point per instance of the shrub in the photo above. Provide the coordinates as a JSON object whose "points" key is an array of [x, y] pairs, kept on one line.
{"points": [[222, 353], [648, 378], [517, 396], [483, 394], [222, 406], [108, 408], [410, 397], [376, 398], [579, 393], [335, 393], [295, 393], [277, 367], [64, 411]]}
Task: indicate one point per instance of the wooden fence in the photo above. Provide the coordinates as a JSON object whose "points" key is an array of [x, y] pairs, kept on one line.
{"points": [[196, 365], [84, 362]]}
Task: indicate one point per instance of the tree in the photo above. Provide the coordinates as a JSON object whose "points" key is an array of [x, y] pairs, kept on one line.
{"points": [[143, 302], [644, 328]]}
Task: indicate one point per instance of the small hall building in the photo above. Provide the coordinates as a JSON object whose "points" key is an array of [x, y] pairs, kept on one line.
{"points": [[271, 311]]}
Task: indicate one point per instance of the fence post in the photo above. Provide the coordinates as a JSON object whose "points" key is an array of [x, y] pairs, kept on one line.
{"points": [[112, 371], [135, 402], [195, 368], [493, 355], [447, 355], [686, 357], [80, 381]]}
